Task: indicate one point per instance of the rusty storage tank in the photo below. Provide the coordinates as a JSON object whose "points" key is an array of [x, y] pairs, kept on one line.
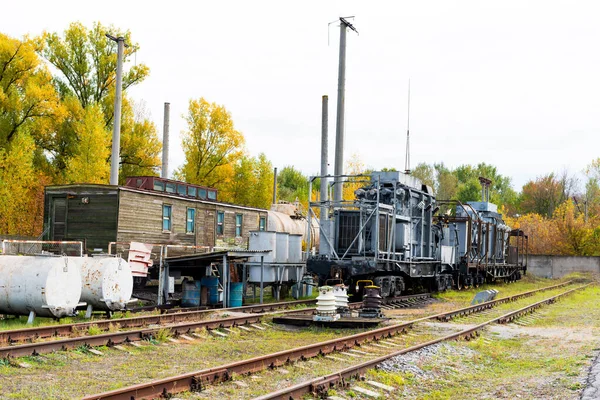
{"points": [[107, 282], [287, 218], [49, 286]]}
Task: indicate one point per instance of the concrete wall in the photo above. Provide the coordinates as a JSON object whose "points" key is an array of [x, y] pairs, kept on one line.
{"points": [[559, 266]]}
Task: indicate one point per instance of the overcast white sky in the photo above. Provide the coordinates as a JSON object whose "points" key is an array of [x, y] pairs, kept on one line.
{"points": [[512, 83]]}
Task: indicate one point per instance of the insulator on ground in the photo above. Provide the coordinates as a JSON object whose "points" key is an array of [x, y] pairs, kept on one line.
{"points": [[371, 302], [340, 293], [326, 305]]}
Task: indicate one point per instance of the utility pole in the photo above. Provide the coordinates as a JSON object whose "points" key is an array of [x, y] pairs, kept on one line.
{"points": [[165, 149], [116, 139], [324, 156], [339, 129]]}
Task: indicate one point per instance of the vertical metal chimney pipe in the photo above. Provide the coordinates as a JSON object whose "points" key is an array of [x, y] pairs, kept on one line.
{"points": [[324, 156], [116, 139], [275, 185], [339, 129], [165, 150]]}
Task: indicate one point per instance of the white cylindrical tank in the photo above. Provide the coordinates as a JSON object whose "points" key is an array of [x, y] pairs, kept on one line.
{"points": [[295, 248], [48, 286], [263, 240], [107, 282], [282, 253]]}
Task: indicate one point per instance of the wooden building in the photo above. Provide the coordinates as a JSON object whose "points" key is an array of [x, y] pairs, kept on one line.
{"points": [[149, 210]]}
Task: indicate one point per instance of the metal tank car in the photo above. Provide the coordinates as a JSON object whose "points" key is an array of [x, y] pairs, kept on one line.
{"points": [[390, 234]]}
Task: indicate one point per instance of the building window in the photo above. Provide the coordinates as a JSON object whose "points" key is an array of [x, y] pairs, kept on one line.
{"points": [[170, 187], [220, 221], [238, 224], [191, 191], [181, 190], [262, 223], [202, 194], [212, 195], [191, 219], [167, 217], [159, 186]]}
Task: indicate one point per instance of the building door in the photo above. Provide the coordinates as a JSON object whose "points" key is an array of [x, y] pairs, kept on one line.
{"points": [[59, 218]]}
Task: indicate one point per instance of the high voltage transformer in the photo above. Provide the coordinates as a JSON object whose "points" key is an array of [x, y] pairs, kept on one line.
{"points": [[394, 234]]}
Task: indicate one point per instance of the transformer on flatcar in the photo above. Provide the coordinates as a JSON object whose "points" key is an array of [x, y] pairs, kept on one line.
{"points": [[390, 234]]}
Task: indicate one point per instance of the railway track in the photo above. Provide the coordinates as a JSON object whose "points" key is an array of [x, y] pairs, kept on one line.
{"points": [[178, 323], [172, 317], [341, 378], [198, 380]]}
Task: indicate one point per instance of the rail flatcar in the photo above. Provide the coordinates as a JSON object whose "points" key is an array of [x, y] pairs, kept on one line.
{"points": [[393, 234]]}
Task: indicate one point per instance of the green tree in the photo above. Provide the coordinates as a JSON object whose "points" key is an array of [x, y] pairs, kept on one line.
{"points": [[87, 62], [425, 173], [292, 184], [211, 144], [263, 190]]}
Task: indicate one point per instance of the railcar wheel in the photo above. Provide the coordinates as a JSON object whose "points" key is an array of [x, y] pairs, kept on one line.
{"points": [[460, 282], [475, 281]]}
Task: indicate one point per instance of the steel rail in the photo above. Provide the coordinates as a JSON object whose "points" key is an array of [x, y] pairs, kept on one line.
{"points": [[172, 317], [321, 385], [29, 334], [197, 380], [489, 304], [113, 338]]}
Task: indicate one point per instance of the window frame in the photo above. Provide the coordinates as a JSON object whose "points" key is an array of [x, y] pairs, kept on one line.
{"points": [[158, 186], [262, 223], [168, 218], [240, 226], [220, 225], [192, 220]]}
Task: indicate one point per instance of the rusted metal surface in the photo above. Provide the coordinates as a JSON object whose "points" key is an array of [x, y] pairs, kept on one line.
{"points": [[48, 286], [110, 339], [107, 282], [173, 317], [195, 381]]}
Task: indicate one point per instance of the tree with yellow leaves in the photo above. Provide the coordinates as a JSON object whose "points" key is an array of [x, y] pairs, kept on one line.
{"points": [[89, 163], [87, 61], [211, 145]]}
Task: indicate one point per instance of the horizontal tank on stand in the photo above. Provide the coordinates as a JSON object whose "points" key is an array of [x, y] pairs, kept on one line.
{"points": [[107, 282], [48, 286]]}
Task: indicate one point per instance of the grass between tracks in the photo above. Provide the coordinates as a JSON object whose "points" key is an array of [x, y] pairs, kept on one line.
{"points": [[545, 356]]}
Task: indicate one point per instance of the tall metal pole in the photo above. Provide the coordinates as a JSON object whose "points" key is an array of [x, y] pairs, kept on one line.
{"points": [[339, 129], [324, 217], [165, 150], [116, 139], [324, 155]]}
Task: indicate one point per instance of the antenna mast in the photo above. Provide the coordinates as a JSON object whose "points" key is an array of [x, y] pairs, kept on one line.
{"points": [[407, 159]]}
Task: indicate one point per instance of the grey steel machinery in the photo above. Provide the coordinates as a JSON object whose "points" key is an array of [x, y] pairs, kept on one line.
{"points": [[390, 234]]}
